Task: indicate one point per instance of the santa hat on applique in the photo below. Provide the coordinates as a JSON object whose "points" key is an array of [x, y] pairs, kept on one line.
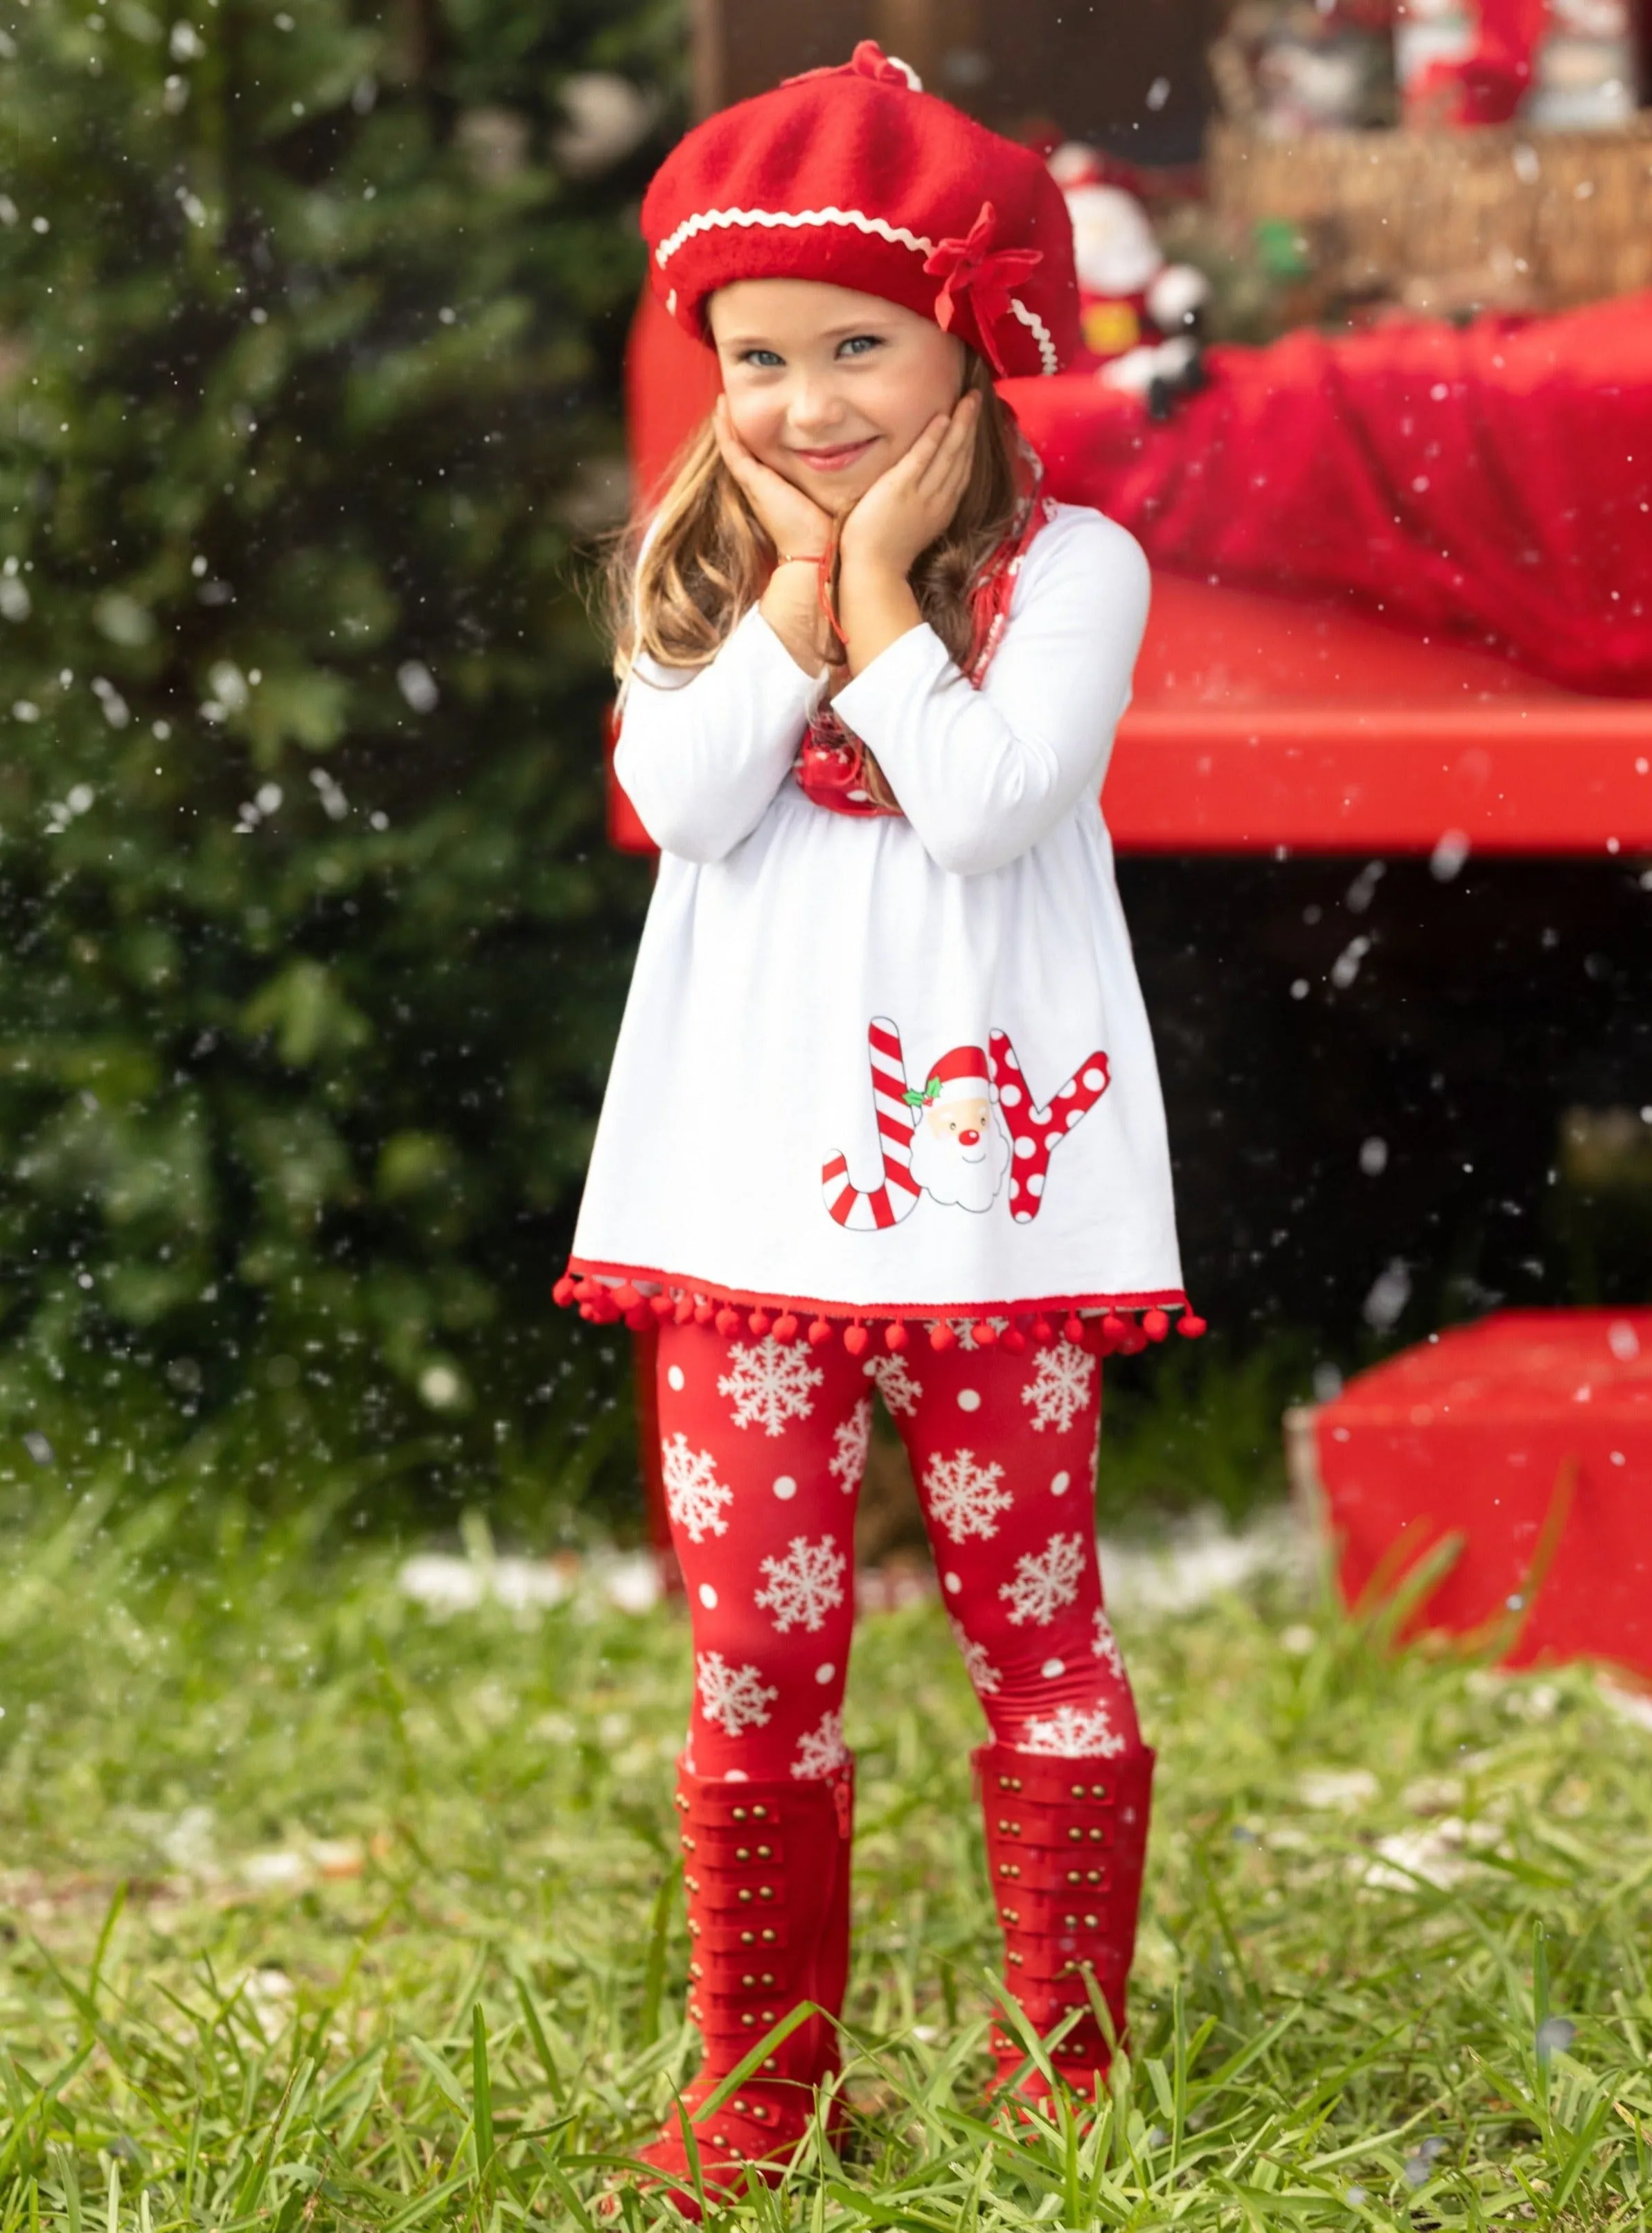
{"points": [[857, 177], [959, 1076]]}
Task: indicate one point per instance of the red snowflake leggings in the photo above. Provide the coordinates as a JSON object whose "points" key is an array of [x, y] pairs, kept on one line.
{"points": [[765, 1444]]}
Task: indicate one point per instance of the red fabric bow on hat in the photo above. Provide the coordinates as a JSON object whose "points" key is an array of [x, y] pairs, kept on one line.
{"points": [[974, 267]]}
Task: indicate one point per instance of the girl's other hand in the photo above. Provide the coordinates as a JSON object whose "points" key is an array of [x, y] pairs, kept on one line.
{"points": [[797, 526], [907, 507]]}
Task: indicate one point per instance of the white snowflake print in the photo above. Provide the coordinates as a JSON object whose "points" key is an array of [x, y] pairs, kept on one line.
{"points": [[1105, 1645], [897, 1387], [965, 1497], [806, 1585], [1044, 1582], [821, 1750], [985, 1678], [735, 1698], [769, 1384], [1063, 1385], [964, 1329], [694, 1495], [1071, 1733], [850, 1443]]}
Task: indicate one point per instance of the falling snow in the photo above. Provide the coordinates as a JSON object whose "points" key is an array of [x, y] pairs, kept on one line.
{"points": [[822, 1750], [850, 1443], [1105, 1646], [1043, 1583], [769, 1384], [965, 1497], [1062, 1386], [694, 1495], [735, 1698], [984, 1677], [804, 1586], [1071, 1733], [897, 1387]]}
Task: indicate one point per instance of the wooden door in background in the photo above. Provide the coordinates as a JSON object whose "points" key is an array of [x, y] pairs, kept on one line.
{"points": [[1128, 75]]}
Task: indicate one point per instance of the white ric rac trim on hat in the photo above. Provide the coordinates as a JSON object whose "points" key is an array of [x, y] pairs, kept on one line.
{"points": [[1040, 332], [703, 220]]}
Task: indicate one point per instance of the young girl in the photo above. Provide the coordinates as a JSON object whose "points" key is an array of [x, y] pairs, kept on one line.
{"points": [[883, 1110]]}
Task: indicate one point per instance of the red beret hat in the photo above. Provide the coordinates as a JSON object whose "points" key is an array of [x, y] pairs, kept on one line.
{"points": [[856, 176]]}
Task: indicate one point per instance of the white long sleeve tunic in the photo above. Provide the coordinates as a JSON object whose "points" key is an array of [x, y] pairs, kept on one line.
{"points": [[780, 933]]}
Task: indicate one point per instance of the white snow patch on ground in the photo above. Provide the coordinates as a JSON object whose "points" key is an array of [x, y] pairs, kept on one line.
{"points": [[1199, 1559]]}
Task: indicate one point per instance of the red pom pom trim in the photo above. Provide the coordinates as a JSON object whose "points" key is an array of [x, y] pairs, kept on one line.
{"points": [[855, 1338], [894, 1335], [786, 1326], [941, 1336], [1192, 1324], [821, 1330]]}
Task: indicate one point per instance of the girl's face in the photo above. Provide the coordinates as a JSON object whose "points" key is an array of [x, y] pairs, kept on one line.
{"points": [[828, 387]]}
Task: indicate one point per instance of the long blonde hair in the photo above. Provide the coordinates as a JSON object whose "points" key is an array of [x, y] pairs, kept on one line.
{"points": [[678, 597]]}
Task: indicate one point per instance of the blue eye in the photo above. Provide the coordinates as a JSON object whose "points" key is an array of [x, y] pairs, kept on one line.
{"points": [[858, 344], [764, 360]]}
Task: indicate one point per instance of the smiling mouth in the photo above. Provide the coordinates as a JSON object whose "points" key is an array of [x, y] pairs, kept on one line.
{"points": [[834, 458]]}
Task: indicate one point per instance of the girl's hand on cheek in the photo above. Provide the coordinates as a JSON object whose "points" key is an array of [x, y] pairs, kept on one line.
{"points": [[907, 507], [797, 527]]}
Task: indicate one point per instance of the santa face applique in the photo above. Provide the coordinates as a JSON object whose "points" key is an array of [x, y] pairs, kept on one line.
{"points": [[973, 1124], [960, 1151]]}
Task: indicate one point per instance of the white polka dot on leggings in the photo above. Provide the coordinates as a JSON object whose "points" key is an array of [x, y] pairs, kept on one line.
{"points": [[707, 1597], [674, 1377], [951, 1585], [825, 1671], [736, 1776], [969, 1399], [1061, 1484], [785, 1487], [1051, 1668]]}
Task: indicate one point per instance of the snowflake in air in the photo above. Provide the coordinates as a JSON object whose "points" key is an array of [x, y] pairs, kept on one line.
{"points": [[897, 1387], [735, 1698], [965, 1497], [850, 1443], [1062, 1386], [694, 1494], [1071, 1733], [769, 1384], [806, 1585], [1105, 1645], [821, 1750], [1045, 1581], [983, 1675]]}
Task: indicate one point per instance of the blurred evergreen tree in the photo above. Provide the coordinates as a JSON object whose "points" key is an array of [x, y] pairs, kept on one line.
{"points": [[310, 951]]}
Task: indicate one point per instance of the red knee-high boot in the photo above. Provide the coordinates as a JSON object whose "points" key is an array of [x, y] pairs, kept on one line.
{"points": [[1065, 1844], [766, 1871]]}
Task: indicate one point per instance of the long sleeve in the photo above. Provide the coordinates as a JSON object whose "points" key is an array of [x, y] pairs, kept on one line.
{"points": [[701, 758], [982, 776]]}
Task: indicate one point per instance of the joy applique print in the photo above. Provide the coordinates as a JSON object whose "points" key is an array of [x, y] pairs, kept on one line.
{"points": [[972, 1124]]}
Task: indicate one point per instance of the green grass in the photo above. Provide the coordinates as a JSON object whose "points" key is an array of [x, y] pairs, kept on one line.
{"points": [[317, 1911]]}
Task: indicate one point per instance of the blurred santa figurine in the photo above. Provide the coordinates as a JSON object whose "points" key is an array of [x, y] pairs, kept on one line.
{"points": [[1139, 315]]}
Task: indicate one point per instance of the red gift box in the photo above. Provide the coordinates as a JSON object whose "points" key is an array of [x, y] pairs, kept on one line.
{"points": [[1528, 1436]]}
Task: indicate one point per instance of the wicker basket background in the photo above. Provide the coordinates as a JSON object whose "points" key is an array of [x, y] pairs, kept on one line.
{"points": [[1558, 218]]}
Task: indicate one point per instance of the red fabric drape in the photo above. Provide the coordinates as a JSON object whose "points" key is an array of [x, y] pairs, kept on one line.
{"points": [[1494, 481]]}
